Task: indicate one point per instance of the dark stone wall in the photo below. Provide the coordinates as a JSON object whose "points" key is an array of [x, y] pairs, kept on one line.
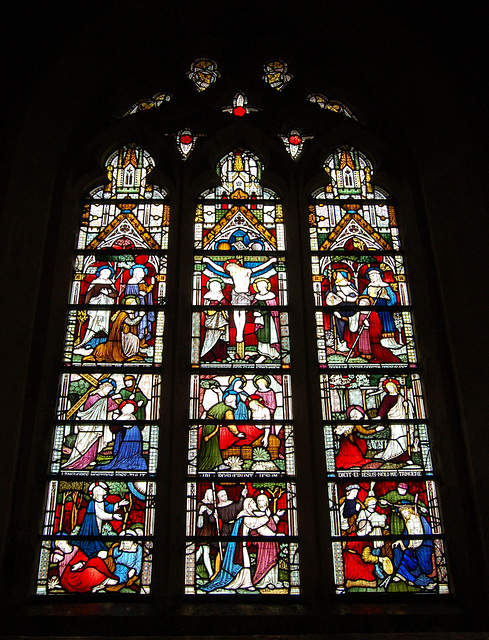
{"points": [[414, 78]]}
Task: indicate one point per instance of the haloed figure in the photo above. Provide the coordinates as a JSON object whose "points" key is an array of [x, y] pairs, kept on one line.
{"points": [[384, 296], [128, 444], [90, 437], [138, 288], [101, 291], [413, 557], [267, 556], [394, 406], [99, 510], [123, 343], [216, 323], [266, 321], [236, 388], [342, 293], [262, 383]]}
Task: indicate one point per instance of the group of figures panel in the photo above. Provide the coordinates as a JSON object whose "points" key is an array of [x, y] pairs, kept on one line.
{"points": [[376, 425], [241, 538], [114, 321], [385, 537], [96, 530], [104, 426], [367, 323], [244, 430], [242, 323], [96, 537]]}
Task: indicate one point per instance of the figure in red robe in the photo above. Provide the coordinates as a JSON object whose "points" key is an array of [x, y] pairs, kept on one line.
{"points": [[78, 573], [367, 332], [352, 449], [266, 573]]}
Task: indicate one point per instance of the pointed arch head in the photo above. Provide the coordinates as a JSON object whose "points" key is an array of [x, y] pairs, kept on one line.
{"points": [[239, 169], [351, 174], [240, 172], [240, 212], [127, 170]]}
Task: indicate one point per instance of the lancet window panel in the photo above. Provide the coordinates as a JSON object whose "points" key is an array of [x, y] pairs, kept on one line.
{"points": [[385, 537], [241, 502], [251, 562], [255, 327], [98, 528], [274, 389], [386, 527], [241, 434]]}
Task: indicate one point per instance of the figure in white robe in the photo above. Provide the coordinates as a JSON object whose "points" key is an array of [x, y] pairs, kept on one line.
{"points": [[92, 438], [394, 406], [266, 321], [250, 522], [216, 323], [100, 292]]}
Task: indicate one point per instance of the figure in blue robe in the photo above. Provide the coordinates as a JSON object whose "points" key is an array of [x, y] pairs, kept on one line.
{"points": [[236, 389], [383, 296], [126, 560], [138, 288], [89, 527], [230, 565], [415, 563], [128, 451]]}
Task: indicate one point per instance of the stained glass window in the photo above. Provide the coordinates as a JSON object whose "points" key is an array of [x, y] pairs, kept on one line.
{"points": [[276, 74], [150, 103], [294, 143], [203, 72], [99, 519], [331, 105], [241, 512], [241, 505], [240, 106], [385, 520]]}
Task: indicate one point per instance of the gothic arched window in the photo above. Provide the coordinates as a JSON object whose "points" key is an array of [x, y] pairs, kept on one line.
{"points": [[232, 430], [241, 456], [385, 520], [99, 521]]}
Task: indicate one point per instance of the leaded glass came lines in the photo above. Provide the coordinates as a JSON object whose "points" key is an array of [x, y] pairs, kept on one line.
{"points": [[385, 522], [98, 530], [241, 505]]}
